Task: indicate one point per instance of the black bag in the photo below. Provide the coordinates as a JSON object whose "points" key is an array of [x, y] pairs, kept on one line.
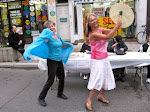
{"points": [[119, 52]]}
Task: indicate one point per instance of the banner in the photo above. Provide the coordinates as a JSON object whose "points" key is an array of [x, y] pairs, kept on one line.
{"points": [[106, 22]]}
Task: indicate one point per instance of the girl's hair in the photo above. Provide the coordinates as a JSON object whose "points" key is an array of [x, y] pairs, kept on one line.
{"points": [[87, 26], [47, 23]]}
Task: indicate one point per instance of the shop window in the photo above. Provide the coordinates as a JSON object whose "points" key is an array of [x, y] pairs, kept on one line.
{"points": [[35, 14], [101, 9], [75, 21], [4, 23], [15, 15]]}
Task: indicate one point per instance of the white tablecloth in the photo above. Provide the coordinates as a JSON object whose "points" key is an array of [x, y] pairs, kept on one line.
{"points": [[81, 63]]}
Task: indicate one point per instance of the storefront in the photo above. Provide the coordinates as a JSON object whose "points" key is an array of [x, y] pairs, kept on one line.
{"points": [[101, 9], [67, 14], [28, 16]]}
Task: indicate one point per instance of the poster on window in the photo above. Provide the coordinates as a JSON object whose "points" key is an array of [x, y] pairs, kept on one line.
{"points": [[100, 12]]}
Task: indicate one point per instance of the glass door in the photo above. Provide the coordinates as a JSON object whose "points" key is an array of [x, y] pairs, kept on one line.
{"points": [[15, 15]]}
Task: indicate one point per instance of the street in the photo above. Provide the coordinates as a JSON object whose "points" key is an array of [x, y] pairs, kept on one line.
{"points": [[19, 90]]}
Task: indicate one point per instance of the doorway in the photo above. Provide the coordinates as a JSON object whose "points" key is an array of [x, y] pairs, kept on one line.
{"points": [[62, 13]]}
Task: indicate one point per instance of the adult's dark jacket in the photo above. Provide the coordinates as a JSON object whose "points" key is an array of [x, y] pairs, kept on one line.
{"points": [[85, 47], [145, 47], [121, 44], [13, 39]]}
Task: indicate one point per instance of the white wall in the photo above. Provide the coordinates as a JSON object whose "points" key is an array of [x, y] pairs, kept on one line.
{"points": [[141, 11], [80, 21], [74, 36], [71, 19]]}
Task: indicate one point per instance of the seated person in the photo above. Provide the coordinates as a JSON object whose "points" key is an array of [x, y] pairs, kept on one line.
{"points": [[114, 45], [14, 40], [146, 48], [86, 48]]}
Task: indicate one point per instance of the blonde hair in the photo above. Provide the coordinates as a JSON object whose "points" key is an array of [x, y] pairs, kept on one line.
{"points": [[87, 27]]}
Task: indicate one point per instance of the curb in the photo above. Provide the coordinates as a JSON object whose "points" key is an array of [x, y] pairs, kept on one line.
{"points": [[26, 65], [18, 65]]}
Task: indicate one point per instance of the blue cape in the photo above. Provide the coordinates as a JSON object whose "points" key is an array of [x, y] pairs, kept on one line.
{"points": [[40, 48]]}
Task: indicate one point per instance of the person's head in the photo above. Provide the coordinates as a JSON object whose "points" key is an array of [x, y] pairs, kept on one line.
{"points": [[118, 38], [14, 29], [91, 22], [50, 24]]}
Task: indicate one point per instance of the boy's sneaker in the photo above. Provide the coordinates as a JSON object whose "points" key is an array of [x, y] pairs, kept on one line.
{"points": [[42, 102], [85, 77], [148, 80]]}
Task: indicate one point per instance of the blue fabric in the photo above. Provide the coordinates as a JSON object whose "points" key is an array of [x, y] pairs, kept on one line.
{"points": [[40, 48], [66, 51]]}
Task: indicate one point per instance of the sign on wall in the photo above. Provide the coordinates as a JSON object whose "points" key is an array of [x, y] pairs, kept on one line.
{"points": [[85, 1], [6, 0], [14, 5], [63, 19], [15, 14], [100, 12], [103, 22], [38, 1]]}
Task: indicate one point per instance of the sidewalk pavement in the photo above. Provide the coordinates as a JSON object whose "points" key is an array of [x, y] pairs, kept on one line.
{"points": [[20, 64], [20, 89]]}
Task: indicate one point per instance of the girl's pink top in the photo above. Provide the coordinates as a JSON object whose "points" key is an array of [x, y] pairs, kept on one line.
{"points": [[98, 48]]}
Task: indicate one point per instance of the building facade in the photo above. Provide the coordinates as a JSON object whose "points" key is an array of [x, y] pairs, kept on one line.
{"points": [[27, 15], [69, 15]]}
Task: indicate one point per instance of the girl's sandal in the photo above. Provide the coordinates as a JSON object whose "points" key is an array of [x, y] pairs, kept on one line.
{"points": [[88, 106], [102, 99]]}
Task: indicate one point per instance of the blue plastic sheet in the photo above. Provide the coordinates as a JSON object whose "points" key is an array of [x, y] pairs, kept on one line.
{"points": [[66, 51], [40, 48]]}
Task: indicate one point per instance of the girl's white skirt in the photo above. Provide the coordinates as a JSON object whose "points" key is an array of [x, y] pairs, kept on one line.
{"points": [[101, 75]]}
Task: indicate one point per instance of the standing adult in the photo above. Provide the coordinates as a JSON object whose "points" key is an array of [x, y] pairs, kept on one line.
{"points": [[101, 76], [54, 63], [131, 28], [14, 40]]}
